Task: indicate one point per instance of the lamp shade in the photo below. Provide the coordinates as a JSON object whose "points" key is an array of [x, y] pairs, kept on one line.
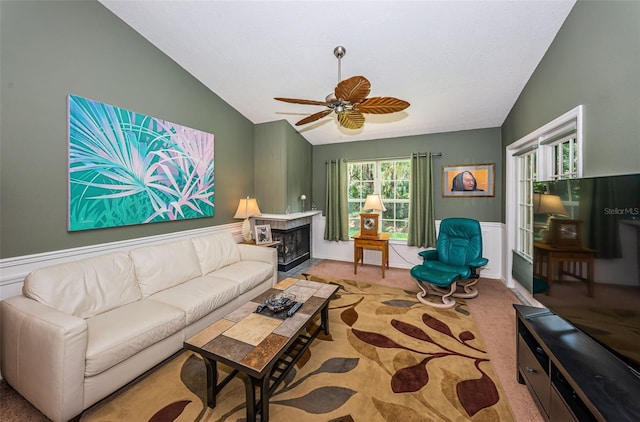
{"points": [[247, 208], [374, 202], [548, 204]]}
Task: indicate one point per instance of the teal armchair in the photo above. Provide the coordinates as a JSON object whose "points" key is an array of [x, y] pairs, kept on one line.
{"points": [[451, 270]]}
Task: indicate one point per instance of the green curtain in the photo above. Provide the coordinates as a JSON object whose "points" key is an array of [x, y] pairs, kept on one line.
{"points": [[336, 205], [422, 221]]}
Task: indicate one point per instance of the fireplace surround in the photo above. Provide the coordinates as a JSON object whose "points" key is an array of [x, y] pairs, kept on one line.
{"points": [[293, 231]]}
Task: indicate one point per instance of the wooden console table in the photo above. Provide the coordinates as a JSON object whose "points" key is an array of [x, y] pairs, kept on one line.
{"points": [[569, 259], [381, 243]]}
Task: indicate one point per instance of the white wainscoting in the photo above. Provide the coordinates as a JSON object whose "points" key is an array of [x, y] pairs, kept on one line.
{"points": [[403, 256], [14, 270]]}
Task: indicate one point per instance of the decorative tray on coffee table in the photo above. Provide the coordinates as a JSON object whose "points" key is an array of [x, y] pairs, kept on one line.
{"points": [[277, 305]]}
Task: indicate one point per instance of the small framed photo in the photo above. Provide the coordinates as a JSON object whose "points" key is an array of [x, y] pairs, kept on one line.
{"points": [[465, 180], [565, 233], [263, 234]]}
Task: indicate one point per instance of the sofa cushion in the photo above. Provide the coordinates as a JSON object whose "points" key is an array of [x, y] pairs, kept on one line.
{"points": [[216, 251], [199, 297], [162, 266], [120, 333], [86, 287], [248, 274]]}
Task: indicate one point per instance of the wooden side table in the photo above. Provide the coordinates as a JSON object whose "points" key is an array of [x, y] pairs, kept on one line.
{"points": [[266, 245], [381, 243], [569, 259]]}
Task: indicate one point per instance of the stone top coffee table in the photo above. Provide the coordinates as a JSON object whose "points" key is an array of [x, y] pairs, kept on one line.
{"points": [[262, 347]]}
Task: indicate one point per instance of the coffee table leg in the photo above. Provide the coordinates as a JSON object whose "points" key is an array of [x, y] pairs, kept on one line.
{"points": [[212, 382], [264, 398], [252, 407], [250, 398], [324, 319]]}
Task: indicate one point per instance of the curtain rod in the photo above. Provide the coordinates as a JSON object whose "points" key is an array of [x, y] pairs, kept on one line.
{"points": [[422, 154]]}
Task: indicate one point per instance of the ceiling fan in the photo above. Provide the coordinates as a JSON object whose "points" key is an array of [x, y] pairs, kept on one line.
{"points": [[349, 100]]}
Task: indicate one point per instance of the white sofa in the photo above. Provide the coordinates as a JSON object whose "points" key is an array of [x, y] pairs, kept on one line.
{"points": [[83, 329]]}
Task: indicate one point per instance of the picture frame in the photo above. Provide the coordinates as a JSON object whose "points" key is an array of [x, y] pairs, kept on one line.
{"points": [[565, 233], [111, 148], [468, 180], [263, 234]]}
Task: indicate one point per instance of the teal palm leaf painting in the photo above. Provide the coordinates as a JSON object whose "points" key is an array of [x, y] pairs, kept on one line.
{"points": [[127, 168]]}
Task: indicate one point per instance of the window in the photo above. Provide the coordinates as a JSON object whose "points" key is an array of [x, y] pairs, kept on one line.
{"points": [[551, 152], [561, 149], [526, 177], [390, 178]]}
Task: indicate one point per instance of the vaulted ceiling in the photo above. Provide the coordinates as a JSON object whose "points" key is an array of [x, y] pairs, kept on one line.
{"points": [[461, 64]]}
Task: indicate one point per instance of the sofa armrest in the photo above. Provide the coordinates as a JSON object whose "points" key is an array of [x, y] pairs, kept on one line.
{"points": [[258, 253], [261, 254], [42, 356]]}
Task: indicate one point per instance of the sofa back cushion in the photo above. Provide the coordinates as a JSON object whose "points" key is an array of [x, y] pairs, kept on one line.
{"points": [[162, 266], [216, 251], [86, 287]]}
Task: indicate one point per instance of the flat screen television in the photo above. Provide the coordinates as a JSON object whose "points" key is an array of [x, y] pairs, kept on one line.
{"points": [[601, 214]]}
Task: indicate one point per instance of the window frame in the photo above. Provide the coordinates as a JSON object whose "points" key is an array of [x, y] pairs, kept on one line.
{"points": [[546, 144], [389, 221]]}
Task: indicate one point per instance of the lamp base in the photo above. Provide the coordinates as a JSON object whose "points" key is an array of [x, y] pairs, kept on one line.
{"points": [[246, 230]]}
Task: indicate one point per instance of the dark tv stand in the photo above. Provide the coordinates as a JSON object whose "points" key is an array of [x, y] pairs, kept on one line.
{"points": [[570, 376]]}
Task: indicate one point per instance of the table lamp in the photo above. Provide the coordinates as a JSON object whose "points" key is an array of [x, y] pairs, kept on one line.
{"points": [[369, 227], [247, 208], [548, 204]]}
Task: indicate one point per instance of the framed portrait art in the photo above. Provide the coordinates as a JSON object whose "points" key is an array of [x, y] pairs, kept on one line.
{"points": [[263, 234], [466, 180]]}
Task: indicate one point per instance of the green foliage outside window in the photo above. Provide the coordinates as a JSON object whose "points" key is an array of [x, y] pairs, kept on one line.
{"points": [[391, 180]]}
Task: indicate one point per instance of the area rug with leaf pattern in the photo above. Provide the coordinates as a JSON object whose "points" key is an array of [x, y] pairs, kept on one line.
{"points": [[387, 358]]}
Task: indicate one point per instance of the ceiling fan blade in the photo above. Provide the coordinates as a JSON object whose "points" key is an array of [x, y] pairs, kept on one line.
{"points": [[382, 105], [351, 119], [353, 90], [299, 101], [314, 117]]}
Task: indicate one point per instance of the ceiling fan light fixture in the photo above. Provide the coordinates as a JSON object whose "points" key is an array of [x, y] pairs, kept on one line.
{"points": [[349, 100]]}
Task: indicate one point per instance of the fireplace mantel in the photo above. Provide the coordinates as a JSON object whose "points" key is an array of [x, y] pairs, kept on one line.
{"points": [[286, 221]]}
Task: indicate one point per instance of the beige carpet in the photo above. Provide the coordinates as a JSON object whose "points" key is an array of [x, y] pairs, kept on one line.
{"points": [[492, 311], [387, 358]]}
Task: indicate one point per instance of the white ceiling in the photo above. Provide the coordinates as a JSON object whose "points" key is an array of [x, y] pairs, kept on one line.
{"points": [[461, 64]]}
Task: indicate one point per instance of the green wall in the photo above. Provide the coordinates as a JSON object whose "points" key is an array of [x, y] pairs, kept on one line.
{"points": [[464, 147], [595, 61], [282, 167], [50, 49]]}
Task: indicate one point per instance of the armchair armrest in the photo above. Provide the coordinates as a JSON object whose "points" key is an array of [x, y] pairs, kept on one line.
{"points": [[43, 355], [429, 255], [480, 262]]}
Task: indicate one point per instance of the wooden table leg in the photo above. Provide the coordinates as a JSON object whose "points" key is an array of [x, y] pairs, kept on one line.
{"points": [[549, 273], [356, 257], [384, 259], [590, 277]]}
